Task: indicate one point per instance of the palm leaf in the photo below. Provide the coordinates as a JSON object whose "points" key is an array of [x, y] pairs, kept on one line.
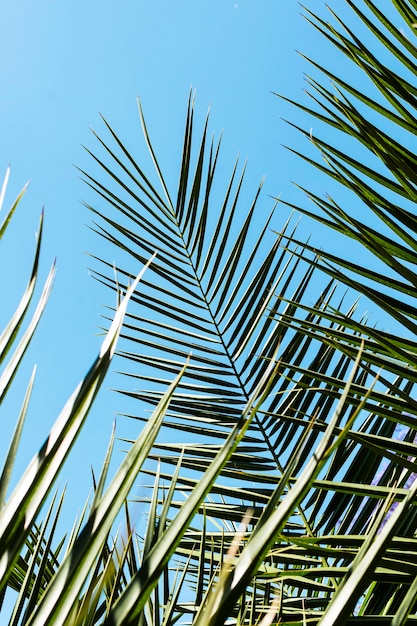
{"points": [[239, 298], [235, 307]]}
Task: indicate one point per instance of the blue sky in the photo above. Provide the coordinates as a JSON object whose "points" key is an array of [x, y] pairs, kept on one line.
{"points": [[63, 63]]}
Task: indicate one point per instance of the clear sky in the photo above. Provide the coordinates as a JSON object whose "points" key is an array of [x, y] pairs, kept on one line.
{"points": [[64, 62]]}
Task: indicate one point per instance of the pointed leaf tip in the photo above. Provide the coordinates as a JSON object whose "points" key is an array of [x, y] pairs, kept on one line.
{"points": [[109, 343]]}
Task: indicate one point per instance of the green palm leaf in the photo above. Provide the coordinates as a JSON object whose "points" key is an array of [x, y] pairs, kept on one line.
{"points": [[234, 307], [252, 309]]}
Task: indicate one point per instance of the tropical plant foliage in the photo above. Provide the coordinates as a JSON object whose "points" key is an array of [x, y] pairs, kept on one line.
{"points": [[28, 563], [281, 461]]}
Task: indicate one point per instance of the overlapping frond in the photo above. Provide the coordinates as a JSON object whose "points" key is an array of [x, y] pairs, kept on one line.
{"points": [[237, 303]]}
